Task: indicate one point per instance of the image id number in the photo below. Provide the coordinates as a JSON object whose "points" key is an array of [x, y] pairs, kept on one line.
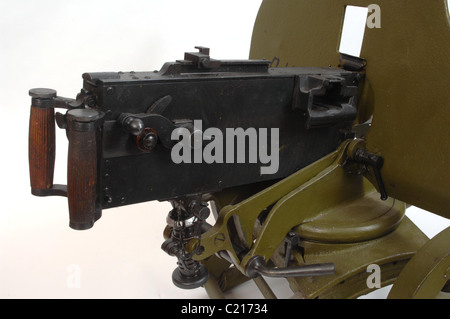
{"points": [[246, 308]]}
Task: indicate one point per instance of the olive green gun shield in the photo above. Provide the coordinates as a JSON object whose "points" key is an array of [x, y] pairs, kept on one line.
{"points": [[407, 87]]}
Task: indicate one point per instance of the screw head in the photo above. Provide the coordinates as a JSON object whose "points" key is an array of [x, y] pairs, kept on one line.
{"points": [[149, 141]]}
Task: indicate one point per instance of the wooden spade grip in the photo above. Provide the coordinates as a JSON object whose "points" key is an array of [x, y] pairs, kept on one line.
{"points": [[82, 175], [41, 142]]}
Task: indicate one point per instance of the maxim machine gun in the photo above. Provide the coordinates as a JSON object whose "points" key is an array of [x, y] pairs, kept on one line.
{"points": [[306, 168]]}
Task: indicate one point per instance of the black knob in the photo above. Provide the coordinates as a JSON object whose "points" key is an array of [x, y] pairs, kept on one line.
{"points": [[133, 125]]}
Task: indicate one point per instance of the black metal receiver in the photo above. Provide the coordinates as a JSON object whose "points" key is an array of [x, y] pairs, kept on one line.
{"points": [[121, 126]]}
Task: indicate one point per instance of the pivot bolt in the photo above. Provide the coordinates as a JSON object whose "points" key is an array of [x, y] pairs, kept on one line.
{"points": [[199, 209], [149, 141]]}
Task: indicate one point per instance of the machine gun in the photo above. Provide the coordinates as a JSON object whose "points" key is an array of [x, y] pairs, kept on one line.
{"points": [[123, 129], [323, 206]]}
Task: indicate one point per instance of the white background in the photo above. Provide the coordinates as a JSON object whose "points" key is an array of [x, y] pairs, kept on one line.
{"points": [[50, 43]]}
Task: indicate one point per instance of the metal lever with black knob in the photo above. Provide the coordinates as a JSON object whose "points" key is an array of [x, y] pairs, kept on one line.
{"points": [[376, 162]]}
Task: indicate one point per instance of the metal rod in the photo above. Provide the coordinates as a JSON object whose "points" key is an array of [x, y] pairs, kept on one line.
{"points": [[264, 287], [212, 289], [300, 271], [256, 266]]}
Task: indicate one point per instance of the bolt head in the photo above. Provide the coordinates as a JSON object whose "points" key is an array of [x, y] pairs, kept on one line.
{"points": [[149, 141]]}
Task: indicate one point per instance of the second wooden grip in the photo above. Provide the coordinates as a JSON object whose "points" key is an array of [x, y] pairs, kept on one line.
{"points": [[82, 166]]}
